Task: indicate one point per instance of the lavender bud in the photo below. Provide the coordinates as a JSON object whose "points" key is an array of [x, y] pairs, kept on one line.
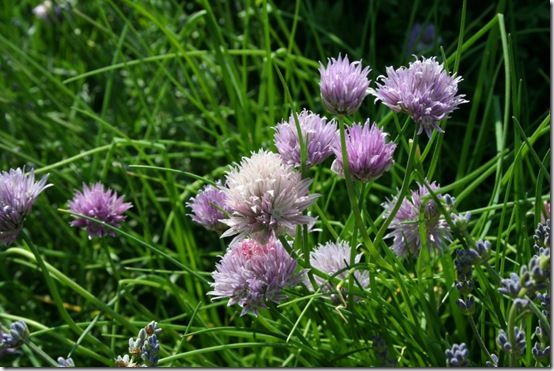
{"points": [[464, 287], [62, 362], [19, 333], [539, 352], [521, 303], [150, 351], [494, 362], [467, 306], [461, 220], [483, 248], [125, 361], [457, 356], [520, 339], [510, 286], [449, 200], [502, 341]]}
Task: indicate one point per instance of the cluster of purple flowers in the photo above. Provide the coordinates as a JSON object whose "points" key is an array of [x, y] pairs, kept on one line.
{"points": [[457, 356], [264, 197], [145, 347], [11, 341], [18, 192]]}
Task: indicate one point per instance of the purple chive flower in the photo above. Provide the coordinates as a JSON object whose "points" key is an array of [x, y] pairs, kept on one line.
{"points": [[100, 203], [343, 85], [208, 208], [250, 273], [319, 136], [369, 153], [332, 258], [18, 192], [266, 198], [424, 90], [405, 225]]}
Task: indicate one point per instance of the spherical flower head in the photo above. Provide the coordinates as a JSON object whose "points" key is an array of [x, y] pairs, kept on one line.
{"points": [[266, 198], [369, 153], [319, 135], [331, 258], [208, 207], [343, 85], [405, 227], [100, 203], [424, 90], [18, 192], [250, 273]]}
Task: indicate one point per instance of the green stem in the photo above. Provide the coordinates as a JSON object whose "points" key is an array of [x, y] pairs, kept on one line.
{"points": [[56, 295], [403, 190], [479, 339], [352, 197]]}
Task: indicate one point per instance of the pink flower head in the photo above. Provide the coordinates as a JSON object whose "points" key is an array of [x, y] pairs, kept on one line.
{"points": [[250, 273]]}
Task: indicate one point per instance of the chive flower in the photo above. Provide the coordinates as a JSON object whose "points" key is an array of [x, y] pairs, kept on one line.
{"points": [[369, 153], [266, 197], [405, 226], [18, 192], [343, 85], [424, 90], [208, 207], [333, 258], [101, 203], [251, 274], [319, 135]]}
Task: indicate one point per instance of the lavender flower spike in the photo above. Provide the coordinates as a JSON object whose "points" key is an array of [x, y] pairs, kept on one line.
{"points": [[319, 136], [424, 90], [101, 203], [369, 154], [331, 258], [266, 197], [208, 206], [343, 85], [250, 273], [18, 192], [405, 225]]}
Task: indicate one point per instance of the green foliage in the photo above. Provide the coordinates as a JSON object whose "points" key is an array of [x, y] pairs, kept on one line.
{"points": [[157, 98]]}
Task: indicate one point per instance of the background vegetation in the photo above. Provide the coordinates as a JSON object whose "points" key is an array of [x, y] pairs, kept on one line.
{"points": [[108, 87]]}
